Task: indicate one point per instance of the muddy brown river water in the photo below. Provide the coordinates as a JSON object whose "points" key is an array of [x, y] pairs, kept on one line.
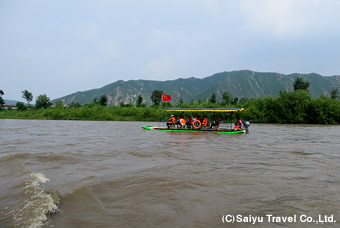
{"points": [[116, 174]]}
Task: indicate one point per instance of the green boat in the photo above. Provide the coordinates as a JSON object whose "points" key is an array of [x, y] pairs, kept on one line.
{"points": [[219, 126]]}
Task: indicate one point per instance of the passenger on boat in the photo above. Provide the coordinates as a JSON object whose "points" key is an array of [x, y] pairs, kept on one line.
{"points": [[216, 123], [205, 122], [171, 121], [178, 122], [199, 119], [181, 122], [238, 123], [189, 122]]}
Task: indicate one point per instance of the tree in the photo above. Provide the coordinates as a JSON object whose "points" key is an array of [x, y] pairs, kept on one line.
{"points": [[2, 102], [335, 93], [244, 100], [301, 84], [292, 106], [27, 96], [103, 100], [139, 100], [234, 100], [42, 101], [74, 105], [59, 104], [21, 106], [213, 98], [226, 98], [122, 105], [156, 97], [166, 104]]}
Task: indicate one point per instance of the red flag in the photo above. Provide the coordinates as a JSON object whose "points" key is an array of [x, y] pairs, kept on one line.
{"points": [[166, 97]]}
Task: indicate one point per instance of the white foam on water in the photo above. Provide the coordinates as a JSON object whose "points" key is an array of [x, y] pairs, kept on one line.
{"points": [[38, 204]]}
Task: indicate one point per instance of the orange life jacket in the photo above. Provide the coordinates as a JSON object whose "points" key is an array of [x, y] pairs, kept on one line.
{"points": [[182, 121], [172, 120], [205, 122]]}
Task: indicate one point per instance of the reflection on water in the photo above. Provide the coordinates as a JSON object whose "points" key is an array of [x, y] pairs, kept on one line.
{"points": [[116, 174]]}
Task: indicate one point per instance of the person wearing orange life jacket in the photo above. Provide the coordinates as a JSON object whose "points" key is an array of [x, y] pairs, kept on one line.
{"points": [[171, 121], [205, 121], [178, 122], [181, 122]]}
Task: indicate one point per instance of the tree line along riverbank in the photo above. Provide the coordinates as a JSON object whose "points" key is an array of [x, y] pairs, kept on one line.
{"points": [[295, 107]]}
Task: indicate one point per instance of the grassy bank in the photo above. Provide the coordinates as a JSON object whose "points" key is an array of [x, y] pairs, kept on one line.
{"points": [[290, 107], [96, 112]]}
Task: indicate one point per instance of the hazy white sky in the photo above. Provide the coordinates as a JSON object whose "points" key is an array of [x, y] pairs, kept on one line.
{"points": [[60, 47]]}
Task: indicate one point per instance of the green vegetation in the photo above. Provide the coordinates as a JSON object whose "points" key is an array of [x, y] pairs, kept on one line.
{"points": [[241, 84], [213, 98], [156, 97], [2, 102], [27, 96], [42, 101], [300, 84], [88, 112], [139, 100], [226, 98], [21, 106], [335, 93], [290, 107], [295, 107], [103, 100]]}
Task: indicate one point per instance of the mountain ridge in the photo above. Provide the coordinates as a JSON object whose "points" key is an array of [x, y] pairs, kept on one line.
{"points": [[242, 83]]}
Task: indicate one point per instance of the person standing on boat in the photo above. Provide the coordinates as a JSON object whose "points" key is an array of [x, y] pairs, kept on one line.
{"points": [[171, 121]]}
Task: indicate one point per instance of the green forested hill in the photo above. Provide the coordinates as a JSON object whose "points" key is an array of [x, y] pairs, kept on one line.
{"points": [[239, 84]]}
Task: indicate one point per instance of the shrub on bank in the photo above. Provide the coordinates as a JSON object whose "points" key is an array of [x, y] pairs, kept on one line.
{"points": [[290, 107]]}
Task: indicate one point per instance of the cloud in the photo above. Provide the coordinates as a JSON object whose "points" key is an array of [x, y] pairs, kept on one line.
{"points": [[170, 50], [210, 5], [287, 18], [35, 54], [90, 31], [108, 49], [160, 68]]}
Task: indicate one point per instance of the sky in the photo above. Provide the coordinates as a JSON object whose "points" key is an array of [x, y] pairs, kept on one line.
{"points": [[61, 47]]}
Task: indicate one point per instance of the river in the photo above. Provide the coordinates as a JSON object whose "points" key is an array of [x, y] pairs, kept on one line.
{"points": [[116, 174]]}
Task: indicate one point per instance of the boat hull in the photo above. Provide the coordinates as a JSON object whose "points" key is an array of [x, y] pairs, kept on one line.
{"points": [[225, 131]]}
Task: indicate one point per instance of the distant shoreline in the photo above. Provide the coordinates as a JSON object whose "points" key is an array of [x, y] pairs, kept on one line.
{"points": [[325, 111]]}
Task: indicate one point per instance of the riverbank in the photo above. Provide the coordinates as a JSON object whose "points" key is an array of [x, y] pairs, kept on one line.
{"points": [[97, 112], [289, 108]]}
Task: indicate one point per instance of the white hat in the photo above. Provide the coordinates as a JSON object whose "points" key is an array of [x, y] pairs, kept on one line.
{"points": [[171, 115]]}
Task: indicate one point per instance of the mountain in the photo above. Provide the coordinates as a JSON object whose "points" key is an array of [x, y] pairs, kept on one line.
{"points": [[10, 101], [244, 83]]}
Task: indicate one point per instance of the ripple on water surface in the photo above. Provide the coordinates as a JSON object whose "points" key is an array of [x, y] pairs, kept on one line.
{"points": [[115, 174]]}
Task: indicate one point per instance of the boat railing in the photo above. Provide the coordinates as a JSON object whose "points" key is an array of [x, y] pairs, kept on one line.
{"points": [[223, 125]]}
